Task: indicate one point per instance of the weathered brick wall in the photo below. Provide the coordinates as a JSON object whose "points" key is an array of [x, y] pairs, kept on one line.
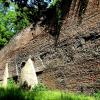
{"points": [[74, 64]]}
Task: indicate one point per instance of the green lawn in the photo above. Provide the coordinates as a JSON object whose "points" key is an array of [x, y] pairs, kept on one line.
{"points": [[16, 93], [57, 95], [40, 92]]}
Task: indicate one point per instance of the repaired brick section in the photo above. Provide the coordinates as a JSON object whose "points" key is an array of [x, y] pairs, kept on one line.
{"points": [[73, 65]]}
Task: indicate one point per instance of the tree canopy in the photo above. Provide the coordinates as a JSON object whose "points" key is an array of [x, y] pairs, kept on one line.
{"points": [[9, 22], [18, 14]]}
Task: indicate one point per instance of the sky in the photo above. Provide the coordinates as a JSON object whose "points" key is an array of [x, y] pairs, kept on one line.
{"points": [[31, 2]]}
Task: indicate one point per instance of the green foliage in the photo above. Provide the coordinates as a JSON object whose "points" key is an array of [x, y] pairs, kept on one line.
{"points": [[9, 24], [55, 2], [16, 16], [11, 83], [3, 41], [39, 87], [7, 18]]}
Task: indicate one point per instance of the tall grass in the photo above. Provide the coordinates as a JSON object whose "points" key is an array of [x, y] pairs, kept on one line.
{"points": [[14, 92], [57, 95]]}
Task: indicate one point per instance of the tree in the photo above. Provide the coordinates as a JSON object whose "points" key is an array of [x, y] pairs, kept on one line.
{"points": [[17, 15], [8, 25], [7, 18]]}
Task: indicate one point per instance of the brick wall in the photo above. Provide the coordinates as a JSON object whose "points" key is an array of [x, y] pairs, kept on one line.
{"points": [[74, 64]]}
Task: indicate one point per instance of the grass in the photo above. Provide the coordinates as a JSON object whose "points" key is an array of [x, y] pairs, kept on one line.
{"points": [[14, 92], [57, 95], [20, 94]]}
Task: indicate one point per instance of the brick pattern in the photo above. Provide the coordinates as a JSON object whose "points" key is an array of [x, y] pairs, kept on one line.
{"points": [[73, 65]]}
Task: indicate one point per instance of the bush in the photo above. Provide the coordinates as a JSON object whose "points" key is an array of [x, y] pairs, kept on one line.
{"points": [[39, 87]]}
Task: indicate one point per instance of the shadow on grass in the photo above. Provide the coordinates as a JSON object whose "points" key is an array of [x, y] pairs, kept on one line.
{"points": [[11, 94]]}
